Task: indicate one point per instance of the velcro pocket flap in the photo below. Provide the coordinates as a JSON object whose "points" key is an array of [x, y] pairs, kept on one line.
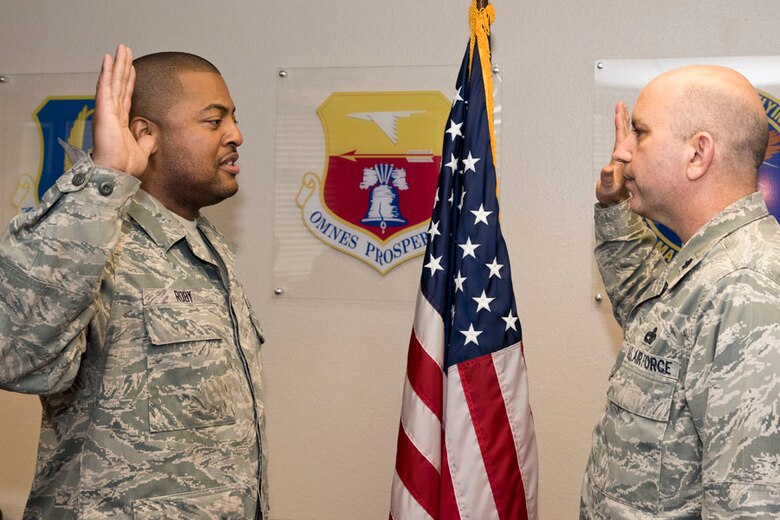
{"points": [[640, 394], [180, 316], [218, 503]]}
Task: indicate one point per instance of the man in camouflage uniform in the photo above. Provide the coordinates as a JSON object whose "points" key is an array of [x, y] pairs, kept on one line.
{"points": [[692, 423], [119, 304]]}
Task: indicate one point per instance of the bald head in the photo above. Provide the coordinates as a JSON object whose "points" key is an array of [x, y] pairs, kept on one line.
{"points": [[158, 86], [722, 102]]}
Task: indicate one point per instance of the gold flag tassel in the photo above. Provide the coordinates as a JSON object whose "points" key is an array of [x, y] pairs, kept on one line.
{"points": [[480, 18]]}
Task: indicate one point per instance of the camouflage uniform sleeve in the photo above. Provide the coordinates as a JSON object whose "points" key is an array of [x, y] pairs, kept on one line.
{"points": [[626, 256], [51, 265], [732, 391]]}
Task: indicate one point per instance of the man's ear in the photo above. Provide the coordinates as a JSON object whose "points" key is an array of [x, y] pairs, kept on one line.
{"points": [[701, 153], [140, 127]]}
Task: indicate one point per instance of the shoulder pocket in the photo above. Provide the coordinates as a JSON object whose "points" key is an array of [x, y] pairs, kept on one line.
{"points": [[190, 377]]}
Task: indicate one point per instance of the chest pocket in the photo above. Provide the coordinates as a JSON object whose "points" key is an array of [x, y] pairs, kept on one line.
{"points": [[628, 441], [191, 373], [224, 503]]}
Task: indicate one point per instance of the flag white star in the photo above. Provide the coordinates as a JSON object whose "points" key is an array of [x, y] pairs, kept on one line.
{"points": [[434, 229], [434, 264], [469, 163], [510, 321], [481, 214], [483, 302], [459, 281], [457, 97], [495, 268], [452, 197], [471, 335], [454, 130], [452, 314], [437, 197], [453, 164], [462, 196], [468, 248]]}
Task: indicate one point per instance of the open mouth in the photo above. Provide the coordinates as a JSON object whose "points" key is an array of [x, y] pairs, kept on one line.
{"points": [[228, 163]]}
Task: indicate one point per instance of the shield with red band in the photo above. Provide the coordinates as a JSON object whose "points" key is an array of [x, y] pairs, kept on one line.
{"points": [[383, 159]]}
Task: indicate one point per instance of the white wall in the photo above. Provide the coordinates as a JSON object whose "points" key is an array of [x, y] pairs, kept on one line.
{"points": [[333, 377]]}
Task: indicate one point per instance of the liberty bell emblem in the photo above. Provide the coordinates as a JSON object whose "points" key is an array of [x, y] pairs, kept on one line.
{"points": [[384, 181]]}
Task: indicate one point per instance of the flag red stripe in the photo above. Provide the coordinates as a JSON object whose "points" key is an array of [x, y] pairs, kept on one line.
{"points": [[419, 477], [496, 442], [425, 376]]}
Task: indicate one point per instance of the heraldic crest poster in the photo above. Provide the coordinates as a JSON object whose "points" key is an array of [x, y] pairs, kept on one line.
{"points": [[358, 154]]}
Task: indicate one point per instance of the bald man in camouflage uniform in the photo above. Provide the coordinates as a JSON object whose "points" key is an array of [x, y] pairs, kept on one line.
{"points": [[692, 424], [119, 304]]}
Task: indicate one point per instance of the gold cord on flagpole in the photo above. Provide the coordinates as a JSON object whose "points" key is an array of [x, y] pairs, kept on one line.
{"points": [[481, 16]]}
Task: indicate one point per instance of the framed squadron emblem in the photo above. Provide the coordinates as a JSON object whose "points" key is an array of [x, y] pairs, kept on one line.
{"points": [[357, 159], [383, 154], [39, 111], [769, 171], [69, 119]]}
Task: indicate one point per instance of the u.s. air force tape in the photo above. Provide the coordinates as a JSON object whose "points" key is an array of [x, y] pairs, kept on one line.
{"points": [[652, 363]]}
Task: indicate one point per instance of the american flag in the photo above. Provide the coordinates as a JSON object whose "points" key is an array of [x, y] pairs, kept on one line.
{"points": [[466, 444]]}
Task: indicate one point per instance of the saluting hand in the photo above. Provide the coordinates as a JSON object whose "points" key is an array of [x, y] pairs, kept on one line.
{"points": [[114, 145], [611, 187]]}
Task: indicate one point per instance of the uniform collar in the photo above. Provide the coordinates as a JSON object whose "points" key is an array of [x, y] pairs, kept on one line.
{"points": [[163, 227], [156, 220], [735, 216]]}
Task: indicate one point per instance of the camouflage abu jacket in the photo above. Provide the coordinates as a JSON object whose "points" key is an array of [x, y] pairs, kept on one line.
{"points": [[692, 424], [145, 352]]}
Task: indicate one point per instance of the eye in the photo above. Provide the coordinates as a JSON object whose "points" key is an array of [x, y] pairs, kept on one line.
{"points": [[214, 122]]}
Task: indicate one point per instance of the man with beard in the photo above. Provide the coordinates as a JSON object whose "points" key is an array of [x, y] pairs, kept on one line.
{"points": [[119, 305], [691, 426]]}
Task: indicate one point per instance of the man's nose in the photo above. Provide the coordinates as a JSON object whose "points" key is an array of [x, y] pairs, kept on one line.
{"points": [[234, 135]]}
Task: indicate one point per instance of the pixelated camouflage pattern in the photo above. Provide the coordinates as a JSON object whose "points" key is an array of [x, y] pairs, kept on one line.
{"points": [[146, 354], [692, 424]]}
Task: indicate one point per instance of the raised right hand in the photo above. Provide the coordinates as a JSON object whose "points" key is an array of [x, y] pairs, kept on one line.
{"points": [[611, 187], [114, 144]]}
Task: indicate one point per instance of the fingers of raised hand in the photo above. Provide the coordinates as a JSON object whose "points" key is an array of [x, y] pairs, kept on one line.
{"points": [[622, 122], [120, 74], [104, 80]]}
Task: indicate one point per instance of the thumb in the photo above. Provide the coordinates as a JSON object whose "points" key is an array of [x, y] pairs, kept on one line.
{"points": [[608, 177]]}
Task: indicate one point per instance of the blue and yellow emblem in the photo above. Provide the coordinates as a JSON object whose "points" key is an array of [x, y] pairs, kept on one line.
{"points": [[58, 117], [769, 172]]}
